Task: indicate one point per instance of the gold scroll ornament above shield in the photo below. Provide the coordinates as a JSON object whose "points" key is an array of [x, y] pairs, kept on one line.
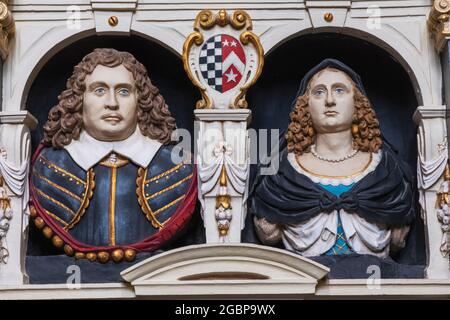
{"points": [[223, 58]]}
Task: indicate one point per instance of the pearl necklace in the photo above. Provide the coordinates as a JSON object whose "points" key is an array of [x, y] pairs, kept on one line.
{"points": [[348, 156]]}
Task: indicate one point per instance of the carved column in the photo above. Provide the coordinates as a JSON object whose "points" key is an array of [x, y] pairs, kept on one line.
{"points": [[432, 148], [223, 58], [15, 141], [434, 124], [223, 146], [15, 157]]}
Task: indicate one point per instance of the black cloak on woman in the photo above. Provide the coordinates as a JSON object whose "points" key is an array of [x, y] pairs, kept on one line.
{"points": [[385, 195]]}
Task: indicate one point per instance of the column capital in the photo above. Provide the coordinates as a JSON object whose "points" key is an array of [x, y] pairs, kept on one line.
{"points": [[429, 112], [18, 117]]}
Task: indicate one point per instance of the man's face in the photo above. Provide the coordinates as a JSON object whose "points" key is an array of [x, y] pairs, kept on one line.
{"points": [[331, 102], [110, 103]]}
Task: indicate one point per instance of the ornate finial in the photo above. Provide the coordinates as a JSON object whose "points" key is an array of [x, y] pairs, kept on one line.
{"points": [[222, 18], [7, 28], [438, 22]]}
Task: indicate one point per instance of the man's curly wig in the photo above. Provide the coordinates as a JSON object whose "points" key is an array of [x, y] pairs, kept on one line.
{"points": [[65, 120], [300, 134]]}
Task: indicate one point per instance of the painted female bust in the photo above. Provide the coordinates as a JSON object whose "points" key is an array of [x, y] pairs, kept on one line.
{"points": [[340, 188]]}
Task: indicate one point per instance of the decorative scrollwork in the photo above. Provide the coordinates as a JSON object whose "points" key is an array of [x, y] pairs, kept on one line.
{"points": [[239, 20], [197, 38], [438, 22], [245, 38], [207, 20], [7, 29]]}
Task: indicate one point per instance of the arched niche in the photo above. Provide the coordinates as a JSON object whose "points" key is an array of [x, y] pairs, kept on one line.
{"points": [[165, 70], [163, 65], [407, 48], [389, 87]]}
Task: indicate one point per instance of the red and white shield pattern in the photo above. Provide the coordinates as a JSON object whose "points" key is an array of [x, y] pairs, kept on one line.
{"points": [[222, 62]]}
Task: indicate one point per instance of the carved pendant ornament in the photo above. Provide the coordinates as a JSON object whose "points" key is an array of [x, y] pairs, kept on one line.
{"points": [[16, 179], [6, 215], [223, 58], [443, 211], [438, 22]]}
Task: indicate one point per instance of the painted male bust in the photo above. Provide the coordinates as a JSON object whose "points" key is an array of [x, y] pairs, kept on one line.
{"points": [[340, 188], [104, 183]]}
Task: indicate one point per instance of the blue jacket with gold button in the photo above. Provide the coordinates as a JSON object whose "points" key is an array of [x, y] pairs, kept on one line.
{"points": [[116, 203]]}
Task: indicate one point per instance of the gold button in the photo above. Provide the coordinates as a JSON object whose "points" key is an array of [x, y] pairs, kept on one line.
{"points": [[103, 257], [39, 223], [117, 255], [57, 241], [33, 212], [91, 256], [80, 255], [113, 21], [48, 233], [130, 254], [68, 250]]}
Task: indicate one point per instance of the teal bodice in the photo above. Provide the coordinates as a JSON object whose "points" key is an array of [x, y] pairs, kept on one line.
{"points": [[341, 245]]}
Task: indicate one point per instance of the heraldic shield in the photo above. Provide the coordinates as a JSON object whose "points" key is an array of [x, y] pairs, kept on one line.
{"points": [[223, 62]]}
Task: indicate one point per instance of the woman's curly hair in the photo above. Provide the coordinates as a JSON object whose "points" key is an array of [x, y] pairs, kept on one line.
{"points": [[65, 120], [300, 134]]}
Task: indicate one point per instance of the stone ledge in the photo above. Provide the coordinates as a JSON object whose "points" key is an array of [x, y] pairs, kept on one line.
{"points": [[62, 291], [387, 287], [329, 289]]}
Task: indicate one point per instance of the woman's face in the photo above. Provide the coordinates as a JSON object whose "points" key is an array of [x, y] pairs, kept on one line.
{"points": [[331, 102]]}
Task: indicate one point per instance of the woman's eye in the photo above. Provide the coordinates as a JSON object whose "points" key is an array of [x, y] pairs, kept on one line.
{"points": [[339, 90], [319, 92]]}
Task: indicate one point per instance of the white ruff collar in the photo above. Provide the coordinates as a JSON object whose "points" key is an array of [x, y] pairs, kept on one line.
{"points": [[87, 151]]}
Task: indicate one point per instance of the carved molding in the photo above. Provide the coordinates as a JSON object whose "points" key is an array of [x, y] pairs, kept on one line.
{"points": [[114, 5], [327, 4], [113, 16], [19, 117], [438, 22], [215, 270], [429, 112], [7, 28]]}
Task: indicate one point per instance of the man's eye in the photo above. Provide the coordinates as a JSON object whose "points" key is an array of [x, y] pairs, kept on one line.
{"points": [[124, 92], [319, 92], [100, 90]]}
